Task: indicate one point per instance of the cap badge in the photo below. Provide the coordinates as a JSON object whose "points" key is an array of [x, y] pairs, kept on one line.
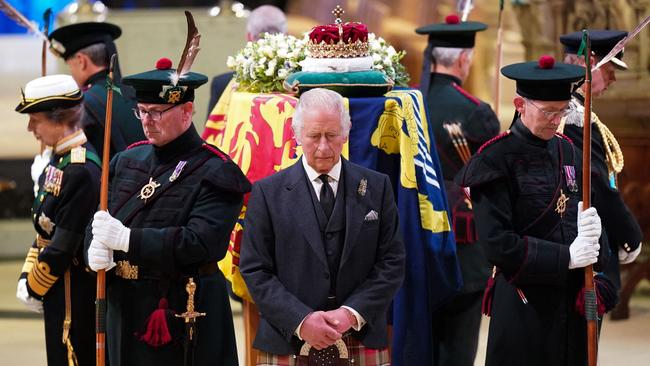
{"points": [[172, 94]]}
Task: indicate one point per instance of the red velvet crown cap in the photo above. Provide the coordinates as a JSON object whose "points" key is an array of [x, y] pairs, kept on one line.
{"points": [[329, 33]]}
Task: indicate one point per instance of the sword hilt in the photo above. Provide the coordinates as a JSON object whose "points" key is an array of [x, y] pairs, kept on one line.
{"points": [[190, 315]]}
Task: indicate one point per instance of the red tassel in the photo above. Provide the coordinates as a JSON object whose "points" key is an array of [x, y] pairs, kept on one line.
{"points": [[157, 332], [580, 302], [488, 296]]}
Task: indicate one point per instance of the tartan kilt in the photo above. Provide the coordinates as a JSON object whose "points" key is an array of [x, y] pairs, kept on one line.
{"points": [[361, 355]]}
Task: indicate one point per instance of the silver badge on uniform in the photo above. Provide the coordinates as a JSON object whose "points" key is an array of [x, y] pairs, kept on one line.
{"points": [[46, 224]]}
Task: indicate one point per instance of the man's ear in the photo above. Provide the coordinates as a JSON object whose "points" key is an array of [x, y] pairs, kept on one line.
{"points": [[81, 60], [519, 104], [188, 107], [188, 110], [461, 60]]}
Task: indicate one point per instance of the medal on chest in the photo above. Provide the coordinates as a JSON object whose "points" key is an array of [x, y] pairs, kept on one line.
{"points": [[53, 179], [149, 189], [560, 207], [570, 175], [177, 171]]}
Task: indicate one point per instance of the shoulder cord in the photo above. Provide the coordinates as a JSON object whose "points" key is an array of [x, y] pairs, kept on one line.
{"points": [[613, 152]]}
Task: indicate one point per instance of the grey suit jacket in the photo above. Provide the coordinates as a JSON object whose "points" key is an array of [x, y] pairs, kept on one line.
{"points": [[283, 259]]}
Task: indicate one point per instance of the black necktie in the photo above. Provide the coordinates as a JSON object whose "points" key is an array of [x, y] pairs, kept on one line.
{"points": [[326, 195]]}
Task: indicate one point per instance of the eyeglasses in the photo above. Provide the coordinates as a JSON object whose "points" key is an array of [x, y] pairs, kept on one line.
{"points": [[154, 115], [550, 115]]}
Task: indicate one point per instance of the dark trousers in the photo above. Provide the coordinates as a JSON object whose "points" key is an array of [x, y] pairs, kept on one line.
{"points": [[82, 332], [455, 330]]}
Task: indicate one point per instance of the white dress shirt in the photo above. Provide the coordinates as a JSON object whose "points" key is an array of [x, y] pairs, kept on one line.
{"points": [[333, 177]]}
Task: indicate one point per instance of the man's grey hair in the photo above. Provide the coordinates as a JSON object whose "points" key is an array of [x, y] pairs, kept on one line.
{"points": [[446, 56], [96, 53], [266, 19], [324, 100]]}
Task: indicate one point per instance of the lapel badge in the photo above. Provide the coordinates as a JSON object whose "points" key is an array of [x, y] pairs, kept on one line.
{"points": [[363, 185], [149, 189], [46, 224], [53, 179], [78, 155], [177, 171]]}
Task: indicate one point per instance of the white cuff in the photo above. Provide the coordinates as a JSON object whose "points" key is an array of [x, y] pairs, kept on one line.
{"points": [[360, 320], [297, 332]]}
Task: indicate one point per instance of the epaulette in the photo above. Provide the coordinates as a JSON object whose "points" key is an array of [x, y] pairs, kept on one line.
{"points": [[215, 151], [563, 136], [78, 156], [493, 140], [136, 144], [465, 93]]}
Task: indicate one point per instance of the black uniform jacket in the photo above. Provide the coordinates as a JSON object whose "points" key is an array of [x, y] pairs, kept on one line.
{"points": [[125, 127], [179, 232], [621, 227], [516, 183], [448, 103]]}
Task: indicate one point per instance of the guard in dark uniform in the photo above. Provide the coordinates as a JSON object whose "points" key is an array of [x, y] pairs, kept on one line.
{"points": [[54, 280], [87, 49], [461, 123], [173, 201], [621, 227], [525, 189]]}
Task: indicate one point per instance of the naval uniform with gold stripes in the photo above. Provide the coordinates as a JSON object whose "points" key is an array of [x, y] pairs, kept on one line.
{"points": [[68, 197]]}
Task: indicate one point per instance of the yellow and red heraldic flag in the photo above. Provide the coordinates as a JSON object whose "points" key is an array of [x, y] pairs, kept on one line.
{"points": [[255, 131]]}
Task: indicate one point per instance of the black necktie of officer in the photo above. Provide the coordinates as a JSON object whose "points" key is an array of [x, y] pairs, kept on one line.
{"points": [[326, 195]]}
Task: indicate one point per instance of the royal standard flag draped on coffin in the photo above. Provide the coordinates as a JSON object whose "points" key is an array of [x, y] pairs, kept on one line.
{"points": [[389, 134]]}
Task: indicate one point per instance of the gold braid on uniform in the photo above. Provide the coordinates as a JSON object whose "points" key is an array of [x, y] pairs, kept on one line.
{"points": [[613, 152], [30, 260], [615, 160]]}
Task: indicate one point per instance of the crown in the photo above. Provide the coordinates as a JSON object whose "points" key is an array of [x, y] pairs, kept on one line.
{"points": [[338, 40]]}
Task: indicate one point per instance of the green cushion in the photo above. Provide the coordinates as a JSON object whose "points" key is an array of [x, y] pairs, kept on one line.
{"points": [[369, 83]]}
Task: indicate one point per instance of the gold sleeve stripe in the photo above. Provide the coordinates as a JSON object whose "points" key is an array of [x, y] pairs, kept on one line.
{"points": [[28, 265], [30, 260], [42, 270], [39, 278]]}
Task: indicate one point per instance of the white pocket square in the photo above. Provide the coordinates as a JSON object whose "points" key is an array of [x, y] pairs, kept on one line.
{"points": [[371, 216]]}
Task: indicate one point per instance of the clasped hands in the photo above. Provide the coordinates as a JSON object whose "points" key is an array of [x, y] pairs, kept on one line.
{"points": [[322, 328]]}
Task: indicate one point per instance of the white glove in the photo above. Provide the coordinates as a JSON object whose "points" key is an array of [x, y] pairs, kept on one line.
{"points": [[110, 231], [583, 252], [625, 257], [589, 226], [100, 256], [30, 303], [40, 162]]}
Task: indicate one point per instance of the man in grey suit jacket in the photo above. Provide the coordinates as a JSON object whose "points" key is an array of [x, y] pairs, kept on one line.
{"points": [[322, 255]]}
